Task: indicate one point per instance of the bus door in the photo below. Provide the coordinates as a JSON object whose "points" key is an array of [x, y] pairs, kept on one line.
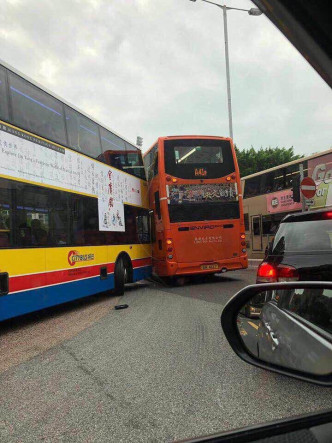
{"points": [[256, 233]]}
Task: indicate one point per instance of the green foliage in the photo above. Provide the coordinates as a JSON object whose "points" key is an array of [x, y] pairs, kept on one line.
{"points": [[251, 161]]}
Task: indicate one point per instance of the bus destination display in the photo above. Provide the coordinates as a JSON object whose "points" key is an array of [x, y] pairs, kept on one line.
{"points": [[202, 193]]}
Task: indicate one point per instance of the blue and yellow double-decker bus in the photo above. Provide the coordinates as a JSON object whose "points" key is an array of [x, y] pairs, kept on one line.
{"points": [[74, 218]]}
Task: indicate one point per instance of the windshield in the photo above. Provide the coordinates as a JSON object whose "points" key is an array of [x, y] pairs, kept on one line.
{"points": [[303, 237], [198, 154], [199, 158]]}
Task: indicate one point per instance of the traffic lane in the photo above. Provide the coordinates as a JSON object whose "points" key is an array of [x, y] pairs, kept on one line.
{"points": [[24, 337], [248, 329], [214, 288], [160, 370]]}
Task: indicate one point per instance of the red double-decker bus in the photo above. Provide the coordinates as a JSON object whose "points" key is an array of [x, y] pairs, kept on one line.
{"points": [[195, 194]]}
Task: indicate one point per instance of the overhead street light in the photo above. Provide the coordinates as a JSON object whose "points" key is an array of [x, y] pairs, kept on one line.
{"points": [[139, 141], [252, 11], [255, 11]]}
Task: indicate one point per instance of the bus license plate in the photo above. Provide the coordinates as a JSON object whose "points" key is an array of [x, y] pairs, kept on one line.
{"points": [[214, 266]]}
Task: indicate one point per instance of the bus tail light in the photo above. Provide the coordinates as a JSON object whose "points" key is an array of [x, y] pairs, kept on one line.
{"points": [[174, 180], [168, 178], [228, 178], [243, 235], [169, 245], [233, 177], [268, 273], [243, 243], [169, 248]]}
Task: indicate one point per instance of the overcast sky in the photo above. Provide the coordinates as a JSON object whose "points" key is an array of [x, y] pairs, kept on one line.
{"points": [[157, 67]]}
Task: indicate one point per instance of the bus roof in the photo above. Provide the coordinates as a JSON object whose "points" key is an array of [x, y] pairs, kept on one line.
{"points": [[165, 137], [196, 136], [294, 162], [30, 80]]}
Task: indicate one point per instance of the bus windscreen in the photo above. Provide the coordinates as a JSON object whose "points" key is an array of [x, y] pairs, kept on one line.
{"points": [[198, 158]]}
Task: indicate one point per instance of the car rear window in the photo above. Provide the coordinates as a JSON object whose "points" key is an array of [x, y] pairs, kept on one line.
{"points": [[303, 236]]}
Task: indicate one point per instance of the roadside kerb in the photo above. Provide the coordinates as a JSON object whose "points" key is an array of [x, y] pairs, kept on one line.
{"points": [[254, 262]]}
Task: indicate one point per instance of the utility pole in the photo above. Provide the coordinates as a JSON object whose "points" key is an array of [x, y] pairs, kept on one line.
{"points": [[229, 99], [252, 11], [301, 178]]}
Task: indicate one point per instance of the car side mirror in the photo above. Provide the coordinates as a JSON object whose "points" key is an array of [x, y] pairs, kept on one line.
{"points": [[283, 327]]}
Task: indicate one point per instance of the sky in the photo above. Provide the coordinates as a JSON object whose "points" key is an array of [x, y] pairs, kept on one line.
{"points": [[157, 67]]}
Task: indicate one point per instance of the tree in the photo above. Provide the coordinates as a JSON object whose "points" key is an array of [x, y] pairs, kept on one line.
{"points": [[251, 161]]}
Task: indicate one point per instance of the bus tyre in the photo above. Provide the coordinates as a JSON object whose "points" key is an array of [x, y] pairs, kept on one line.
{"points": [[120, 277]]}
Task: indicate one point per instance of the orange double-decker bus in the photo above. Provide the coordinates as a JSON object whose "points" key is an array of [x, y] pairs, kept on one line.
{"points": [[195, 195]]}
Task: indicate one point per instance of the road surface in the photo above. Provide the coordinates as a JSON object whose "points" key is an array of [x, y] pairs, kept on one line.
{"points": [[160, 370]]}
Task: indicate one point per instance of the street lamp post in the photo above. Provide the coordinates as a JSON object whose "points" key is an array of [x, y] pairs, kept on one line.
{"points": [[252, 11], [229, 99]]}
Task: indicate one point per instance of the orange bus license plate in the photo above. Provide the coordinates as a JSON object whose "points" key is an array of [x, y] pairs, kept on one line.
{"points": [[214, 266]]}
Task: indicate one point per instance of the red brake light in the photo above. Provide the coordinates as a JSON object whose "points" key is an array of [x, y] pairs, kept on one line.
{"points": [[266, 273], [168, 178], [243, 236], [287, 273], [329, 214]]}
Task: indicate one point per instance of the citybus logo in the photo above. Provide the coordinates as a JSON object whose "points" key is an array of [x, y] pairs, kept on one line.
{"points": [[274, 202], [200, 172], [75, 256]]}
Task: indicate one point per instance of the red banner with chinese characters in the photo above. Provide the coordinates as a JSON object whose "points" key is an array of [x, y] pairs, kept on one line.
{"points": [[281, 201]]}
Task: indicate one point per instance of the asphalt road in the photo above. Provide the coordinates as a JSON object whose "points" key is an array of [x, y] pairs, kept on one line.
{"points": [[160, 370], [248, 330]]}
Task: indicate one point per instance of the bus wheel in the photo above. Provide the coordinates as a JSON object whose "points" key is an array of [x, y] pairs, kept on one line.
{"points": [[121, 276]]}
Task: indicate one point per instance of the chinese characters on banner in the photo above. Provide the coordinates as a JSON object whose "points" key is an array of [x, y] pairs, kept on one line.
{"points": [[111, 215], [281, 201], [26, 157]]}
